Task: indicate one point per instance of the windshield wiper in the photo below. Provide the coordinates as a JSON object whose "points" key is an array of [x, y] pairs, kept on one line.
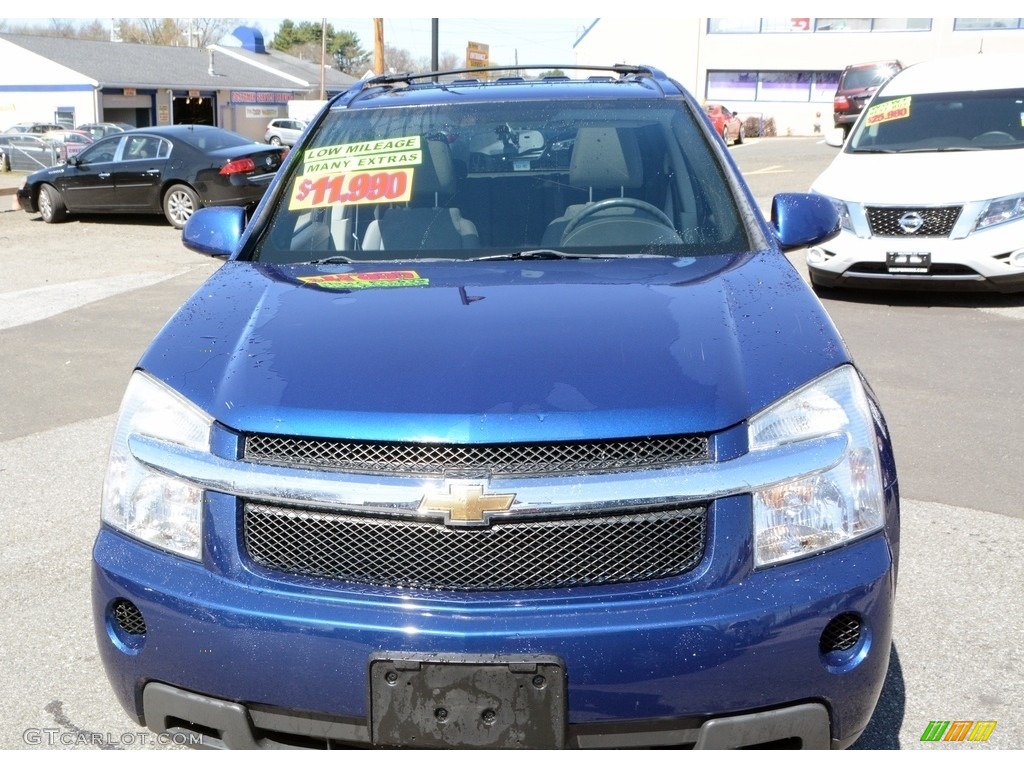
{"points": [[917, 150], [540, 254]]}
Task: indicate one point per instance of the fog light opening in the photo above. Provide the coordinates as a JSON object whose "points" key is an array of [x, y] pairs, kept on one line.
{"points": [[126, 626], [817, 256], [844, 642], [1017, 259]]}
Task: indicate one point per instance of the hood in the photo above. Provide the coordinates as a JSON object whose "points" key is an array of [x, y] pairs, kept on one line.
{"points": [[496, 351], [923, 178]]}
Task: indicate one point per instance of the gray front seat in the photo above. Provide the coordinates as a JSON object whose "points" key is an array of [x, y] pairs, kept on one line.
{"points": [[425, 223]]}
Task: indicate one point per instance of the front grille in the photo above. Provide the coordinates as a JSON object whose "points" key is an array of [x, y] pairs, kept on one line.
{"points": [[617, 547], [495, 459], [880, 268], [938, 222]]}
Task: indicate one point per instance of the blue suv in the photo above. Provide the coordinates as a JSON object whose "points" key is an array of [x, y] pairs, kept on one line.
{"points": [[505, 423]]}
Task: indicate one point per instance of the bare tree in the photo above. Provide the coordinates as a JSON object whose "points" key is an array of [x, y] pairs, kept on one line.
{"points": [[196, 33], [400, 60], [71, 28]]}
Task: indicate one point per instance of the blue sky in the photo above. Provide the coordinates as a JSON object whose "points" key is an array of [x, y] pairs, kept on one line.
{"points": [[532, 41], [524, 30]]}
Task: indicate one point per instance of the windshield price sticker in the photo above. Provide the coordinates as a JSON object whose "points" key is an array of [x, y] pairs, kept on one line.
{"points": [[354, 280], [895, 109], [364, 156], [356, 188]]}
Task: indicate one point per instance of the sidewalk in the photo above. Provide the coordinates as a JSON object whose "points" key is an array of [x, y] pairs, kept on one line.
{"points": [[10, 183]]}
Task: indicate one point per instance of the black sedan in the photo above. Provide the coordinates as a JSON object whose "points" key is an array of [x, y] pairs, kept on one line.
{"points": [[174, 170]]}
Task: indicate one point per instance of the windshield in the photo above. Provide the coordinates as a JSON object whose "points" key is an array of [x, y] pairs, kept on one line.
{"points": [[476, 180], [937, 122]]}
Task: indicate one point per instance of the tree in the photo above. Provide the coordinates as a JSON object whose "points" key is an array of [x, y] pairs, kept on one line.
{"points": [[197, 33], [71, 28], [399, 60], [304, 40]]}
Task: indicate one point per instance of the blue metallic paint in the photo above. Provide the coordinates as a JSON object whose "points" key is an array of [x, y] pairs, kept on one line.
{"points": [[575, 349], [719, 639]]}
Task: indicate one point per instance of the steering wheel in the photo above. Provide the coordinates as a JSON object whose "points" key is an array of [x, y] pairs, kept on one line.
{"points": [[617, 202]]}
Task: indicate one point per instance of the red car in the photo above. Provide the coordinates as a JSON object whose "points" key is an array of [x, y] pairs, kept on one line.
{"points": [[73, 141], [727, 124]]}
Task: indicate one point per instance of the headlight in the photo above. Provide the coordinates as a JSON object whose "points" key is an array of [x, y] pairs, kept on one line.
{"points": [[830, 507], [844, 213], [140, 501], [1001, 211]]}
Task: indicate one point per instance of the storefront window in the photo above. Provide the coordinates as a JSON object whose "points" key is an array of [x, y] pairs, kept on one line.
{"points": [[732, 86], [772, 86], [968, 24]]}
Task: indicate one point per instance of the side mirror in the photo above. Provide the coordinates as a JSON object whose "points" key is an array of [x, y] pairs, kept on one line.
{"points": [[801, 220], [835, 137], [214, 231]]}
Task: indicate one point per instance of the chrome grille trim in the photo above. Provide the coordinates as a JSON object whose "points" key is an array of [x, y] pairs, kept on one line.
{"points": [[494, 459], [938, 222], [402, 494], [614, 547]]}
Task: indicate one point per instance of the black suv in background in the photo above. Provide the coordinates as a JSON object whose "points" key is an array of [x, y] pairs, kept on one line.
{"points": [[857, 84]]}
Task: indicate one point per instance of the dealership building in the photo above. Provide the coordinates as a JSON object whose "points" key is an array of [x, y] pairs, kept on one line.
{"points": [[238, 84], [780, 74]]}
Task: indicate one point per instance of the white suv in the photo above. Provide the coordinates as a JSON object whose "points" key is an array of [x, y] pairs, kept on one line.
{"points": [[930, 185], [284, 131]]}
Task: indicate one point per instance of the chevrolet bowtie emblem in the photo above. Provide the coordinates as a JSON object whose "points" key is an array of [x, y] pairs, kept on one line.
{"points": [[466, 503]]}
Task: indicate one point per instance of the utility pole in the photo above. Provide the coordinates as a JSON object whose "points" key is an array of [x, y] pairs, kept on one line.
{"points": [[378, 46], [323, 54], [434, 63]]}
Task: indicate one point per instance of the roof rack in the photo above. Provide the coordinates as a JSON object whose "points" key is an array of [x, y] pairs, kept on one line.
{"points": [[622, 70]]}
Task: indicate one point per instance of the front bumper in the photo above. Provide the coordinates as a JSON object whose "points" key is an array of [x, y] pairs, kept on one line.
{"points": [[25, 199], [229, 725], [717, 657], [979, 262]]}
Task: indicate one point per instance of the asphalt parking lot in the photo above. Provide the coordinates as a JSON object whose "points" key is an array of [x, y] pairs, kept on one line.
{"points": [[79, 302]]}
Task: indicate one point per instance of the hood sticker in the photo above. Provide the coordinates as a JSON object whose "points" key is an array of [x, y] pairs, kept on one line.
{"points": [[894, 109], [358, 173], [354, 280]]}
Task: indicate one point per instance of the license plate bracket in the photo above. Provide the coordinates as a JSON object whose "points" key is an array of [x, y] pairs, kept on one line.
{"points": [[469, 700], [908, 262]]}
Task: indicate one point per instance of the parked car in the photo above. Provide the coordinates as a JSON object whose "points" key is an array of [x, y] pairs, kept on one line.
{"points": [[506, 423], [99, 130], [28, 152], [174, 170], [727, 123], [37, 128], [284, 131], [73, 141], [857, 84], [929, 186]]}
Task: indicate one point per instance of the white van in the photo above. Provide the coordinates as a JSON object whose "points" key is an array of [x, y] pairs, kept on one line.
{"points": [[930, 184]]}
